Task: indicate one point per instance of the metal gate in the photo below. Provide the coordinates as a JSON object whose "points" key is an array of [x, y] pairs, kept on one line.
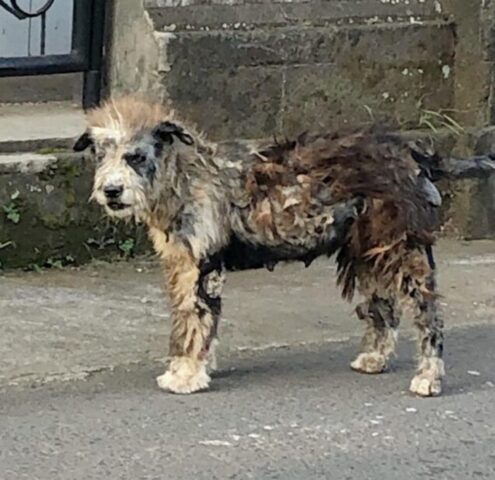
{"points": [[42, 37]]}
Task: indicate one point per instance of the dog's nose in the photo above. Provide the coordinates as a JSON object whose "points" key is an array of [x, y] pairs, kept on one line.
{"points": [[113, 191]]}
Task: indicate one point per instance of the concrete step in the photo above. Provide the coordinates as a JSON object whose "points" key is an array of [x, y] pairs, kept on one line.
{"points": [[244, 83], [227, 14], [58, 87], [33, 127]]}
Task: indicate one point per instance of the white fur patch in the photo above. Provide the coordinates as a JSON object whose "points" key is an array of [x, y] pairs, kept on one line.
{"points": [[370, 362], [428, 381], [184, 375], [213, 284]]}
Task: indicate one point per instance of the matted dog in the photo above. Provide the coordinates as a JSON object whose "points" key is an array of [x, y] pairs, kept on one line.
{"points": [[365, 196]]}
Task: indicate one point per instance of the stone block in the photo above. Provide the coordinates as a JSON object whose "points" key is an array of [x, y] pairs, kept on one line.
{"points": [[250, 84], [237, 14], [392, 45], [330, 96], [240, 102]]}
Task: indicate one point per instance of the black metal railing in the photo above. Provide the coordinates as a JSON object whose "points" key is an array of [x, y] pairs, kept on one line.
{"points": [[22, 14], [86, 46]]}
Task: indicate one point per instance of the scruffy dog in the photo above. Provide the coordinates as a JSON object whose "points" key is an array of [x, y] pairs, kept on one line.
{"points": [[365, 196]]}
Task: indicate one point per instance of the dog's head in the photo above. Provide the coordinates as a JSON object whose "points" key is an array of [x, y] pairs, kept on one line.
{"points": [[131, 142]]}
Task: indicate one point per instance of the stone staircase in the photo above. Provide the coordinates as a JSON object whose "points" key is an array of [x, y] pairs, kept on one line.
{"points": [[254, 69], [31, 127], [242, 70]]}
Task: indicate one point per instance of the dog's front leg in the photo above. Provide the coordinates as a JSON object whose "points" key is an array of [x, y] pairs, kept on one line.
{"points": [[193, 323]]}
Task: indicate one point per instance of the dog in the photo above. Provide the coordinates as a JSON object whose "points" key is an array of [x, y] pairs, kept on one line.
{"points": [[366, 196]]}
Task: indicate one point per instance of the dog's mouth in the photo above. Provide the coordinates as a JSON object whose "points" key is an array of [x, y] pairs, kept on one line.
{"points": [[116, 206]]}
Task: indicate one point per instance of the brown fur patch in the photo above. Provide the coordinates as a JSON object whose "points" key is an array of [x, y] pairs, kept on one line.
{"points": [[189, 332], [339, 167]]}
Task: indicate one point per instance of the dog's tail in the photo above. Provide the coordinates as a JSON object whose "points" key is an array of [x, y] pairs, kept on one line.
{"points": [[436, 167], [474, 167]]}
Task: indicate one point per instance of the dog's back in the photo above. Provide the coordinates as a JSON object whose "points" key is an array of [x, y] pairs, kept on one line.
{"points": [[355, 191]]}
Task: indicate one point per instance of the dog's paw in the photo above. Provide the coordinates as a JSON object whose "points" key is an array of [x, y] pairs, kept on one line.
{"points": [[426, 386], [370, 362], [184, 375], [428, 380]]}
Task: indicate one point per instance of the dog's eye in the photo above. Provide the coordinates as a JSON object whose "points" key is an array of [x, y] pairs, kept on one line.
{"points": [[135, 159], [99, 156]]}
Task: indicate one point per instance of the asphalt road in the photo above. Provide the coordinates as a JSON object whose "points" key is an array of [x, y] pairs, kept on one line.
{"points": [[80, 350], [292, 413]]}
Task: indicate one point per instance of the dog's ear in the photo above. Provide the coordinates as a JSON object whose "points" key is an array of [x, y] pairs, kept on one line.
{"points": [[166, 131], [83, 142]]}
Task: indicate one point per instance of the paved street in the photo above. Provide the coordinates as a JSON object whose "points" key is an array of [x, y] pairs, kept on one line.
{"points": [[80, 350]]}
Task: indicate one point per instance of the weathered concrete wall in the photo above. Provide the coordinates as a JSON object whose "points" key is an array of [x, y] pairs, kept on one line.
{"points": [[247, 83], [245, 70], [472, 70], [133, 50], [45, 217]]}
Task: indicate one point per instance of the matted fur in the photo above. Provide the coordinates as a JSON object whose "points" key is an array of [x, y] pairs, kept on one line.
{"points": [[125, 117], [129, 114], [210, 208]]}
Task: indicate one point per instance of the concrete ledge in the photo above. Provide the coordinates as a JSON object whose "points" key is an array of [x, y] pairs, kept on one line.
{"points": [[25, 163], [190, 15], [39, 127], [42, 88], [429, 42], [45, 216]]}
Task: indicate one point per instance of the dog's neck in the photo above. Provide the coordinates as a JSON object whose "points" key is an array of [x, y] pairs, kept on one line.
{"points": [[189, 176]]}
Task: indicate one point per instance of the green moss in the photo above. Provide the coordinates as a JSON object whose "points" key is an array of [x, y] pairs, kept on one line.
{"points": [[69, 167], [127, 247], [70, 198], [51, 150], [53, 222]]}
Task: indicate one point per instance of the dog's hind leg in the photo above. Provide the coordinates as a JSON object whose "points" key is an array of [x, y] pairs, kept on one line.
{"points": [[194, 292], [422, 300], [380, 338]]}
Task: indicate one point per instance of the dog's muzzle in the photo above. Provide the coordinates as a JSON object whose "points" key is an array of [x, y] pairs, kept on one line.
{"points": [[113, 196]]}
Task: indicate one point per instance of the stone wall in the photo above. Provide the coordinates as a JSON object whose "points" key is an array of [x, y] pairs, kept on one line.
{"points": [[245, 68]]}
